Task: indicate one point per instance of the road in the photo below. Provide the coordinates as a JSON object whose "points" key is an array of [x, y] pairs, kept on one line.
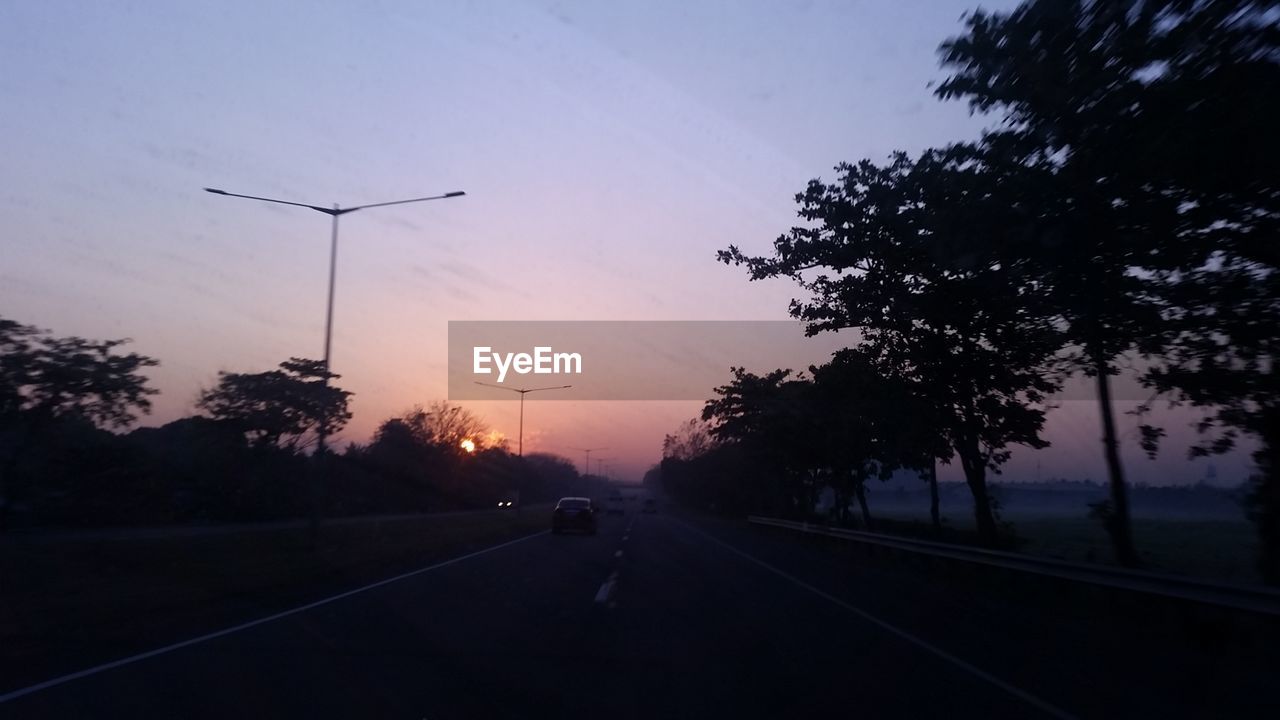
{"points": [[666, 616]]}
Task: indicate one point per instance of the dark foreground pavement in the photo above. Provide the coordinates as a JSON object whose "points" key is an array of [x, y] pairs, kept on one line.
{"points": [[659, 616]]}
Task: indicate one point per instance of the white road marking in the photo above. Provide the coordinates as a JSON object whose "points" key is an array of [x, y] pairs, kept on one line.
{"points": [[1027, 697], [15, 694], [606, 589], [618, 554]]}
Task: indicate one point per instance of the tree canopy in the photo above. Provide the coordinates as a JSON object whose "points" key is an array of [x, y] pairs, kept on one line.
{"points": [[284, 407], [56, 377], [1153, 119], [920, 255]]}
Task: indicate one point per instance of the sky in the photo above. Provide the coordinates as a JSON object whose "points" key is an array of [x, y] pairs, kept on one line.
{"points": [[607, 151]]}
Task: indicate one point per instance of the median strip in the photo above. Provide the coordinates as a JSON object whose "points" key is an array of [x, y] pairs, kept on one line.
{"points": [[15, 694]]}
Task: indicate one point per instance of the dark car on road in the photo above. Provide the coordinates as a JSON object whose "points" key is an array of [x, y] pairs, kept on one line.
{"points": [[650, 506], [574, 513]]}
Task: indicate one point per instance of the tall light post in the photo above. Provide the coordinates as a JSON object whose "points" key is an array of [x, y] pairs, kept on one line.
{"points": [[334, 213], [523, 392], [586, 466]]}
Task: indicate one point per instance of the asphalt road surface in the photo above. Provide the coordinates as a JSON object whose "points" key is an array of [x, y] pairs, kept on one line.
{"points": [[665, 617]]}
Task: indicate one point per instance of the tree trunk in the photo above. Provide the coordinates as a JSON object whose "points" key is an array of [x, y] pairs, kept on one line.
{"points": [[1264, 500], [975, 476], [1117, 516], [934, 515], [861, 489], [1267, 520]]}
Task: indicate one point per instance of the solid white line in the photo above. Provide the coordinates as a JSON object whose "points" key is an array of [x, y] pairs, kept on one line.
{"points": [[893, 630], [15, 694]]}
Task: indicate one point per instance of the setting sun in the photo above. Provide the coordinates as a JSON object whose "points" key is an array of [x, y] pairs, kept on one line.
{"points": [[468, 445]]}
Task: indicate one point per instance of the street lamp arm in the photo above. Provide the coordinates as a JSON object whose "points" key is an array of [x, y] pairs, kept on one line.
{"points": [[557, 387], [522, 391], [458, 193], [325, 210]]}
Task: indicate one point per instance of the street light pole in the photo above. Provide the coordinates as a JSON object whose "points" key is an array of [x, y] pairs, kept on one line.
{"points": [[523, 392], [328, 315], [334, 213], [586, 466]]}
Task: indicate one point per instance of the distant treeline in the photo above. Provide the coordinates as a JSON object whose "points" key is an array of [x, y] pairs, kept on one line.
{"points": [[247, 457], [201, 470]]}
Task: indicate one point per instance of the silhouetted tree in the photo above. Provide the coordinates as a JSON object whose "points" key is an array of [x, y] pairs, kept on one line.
{"points": [[1213, 141], [728, 479], [70, 376], [920, 441], [1224, 359], [767, 416], [690, 440], [448, 425], [915, 254], [875, 422], [1154, 120], [201, 469], [48, 382], [846, 404], [423, 449], [284, 407]]}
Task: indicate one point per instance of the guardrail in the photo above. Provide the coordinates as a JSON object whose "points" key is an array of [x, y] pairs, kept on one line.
{"points": [[1240, 597]]}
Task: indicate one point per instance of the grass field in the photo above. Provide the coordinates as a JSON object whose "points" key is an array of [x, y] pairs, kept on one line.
{"points": [[1213, 549], [75, 603], [1220, 550]]}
